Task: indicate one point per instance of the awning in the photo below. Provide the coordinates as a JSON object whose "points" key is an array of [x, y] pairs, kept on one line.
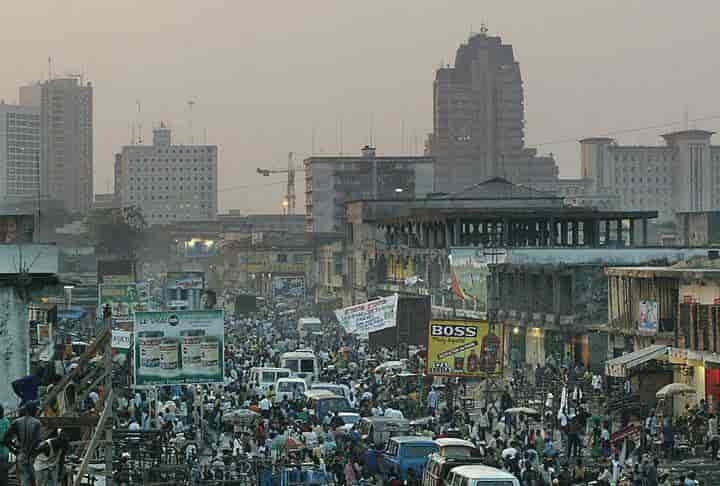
{"points": [[619, 366]]}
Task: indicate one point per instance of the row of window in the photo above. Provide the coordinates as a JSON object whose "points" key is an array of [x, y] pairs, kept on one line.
{"points": [[161, 197], [169, 169], [160, 179]]}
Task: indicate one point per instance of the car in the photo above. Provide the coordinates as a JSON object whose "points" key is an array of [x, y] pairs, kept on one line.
{"points": [[406, 453], [378, 430], [350, 419]]}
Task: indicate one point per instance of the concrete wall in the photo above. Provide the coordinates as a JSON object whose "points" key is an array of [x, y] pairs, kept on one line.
{"points": [[14, 335]]}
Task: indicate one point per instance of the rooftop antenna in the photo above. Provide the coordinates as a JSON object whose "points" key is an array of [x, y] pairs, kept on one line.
{"points": [[483, 28], [139, 124], [372, 128], [50, 75], [341, 136], [402, 136], [191, 103]]}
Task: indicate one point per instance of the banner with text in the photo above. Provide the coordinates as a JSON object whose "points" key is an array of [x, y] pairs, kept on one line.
{"points": [[362, 319], [464, 348], [182, 347]]}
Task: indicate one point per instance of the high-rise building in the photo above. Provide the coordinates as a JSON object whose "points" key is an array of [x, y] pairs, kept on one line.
{"points": [[681, 176], [168, 182], [19, 152], [332, 181], [66, 129], [478, 119]]}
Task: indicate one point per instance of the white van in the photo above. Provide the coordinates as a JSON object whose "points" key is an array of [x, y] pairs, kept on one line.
{"points": [[479, 476], [308, 325], [267, 377], [337, 389], [302, 363], [292, 388]]}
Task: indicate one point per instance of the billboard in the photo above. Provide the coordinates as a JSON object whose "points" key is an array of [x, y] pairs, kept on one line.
{"points": [[470, 272], [185, 280], [288, 287], [648, 318], [464, 348], [122, 298], [182, 347], [362, 319]]}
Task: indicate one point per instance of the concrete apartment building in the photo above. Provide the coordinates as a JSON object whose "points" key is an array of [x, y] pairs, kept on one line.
{"points": [[66, 152], [168, 182], [19, 152], [681, 176], [478, 119], [332, 181]]}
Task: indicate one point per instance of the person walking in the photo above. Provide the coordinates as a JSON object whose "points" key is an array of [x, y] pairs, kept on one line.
{"points": [[26, 430], [4, 452]]}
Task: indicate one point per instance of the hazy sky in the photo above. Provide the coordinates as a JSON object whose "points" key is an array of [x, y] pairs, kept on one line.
{"points": [[265, 74]]}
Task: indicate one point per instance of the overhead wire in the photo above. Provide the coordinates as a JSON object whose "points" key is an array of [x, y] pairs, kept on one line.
{"points": [[715, 116]]}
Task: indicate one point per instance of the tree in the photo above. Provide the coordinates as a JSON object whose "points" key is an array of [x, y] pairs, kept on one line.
{"points": [[117, 232]]}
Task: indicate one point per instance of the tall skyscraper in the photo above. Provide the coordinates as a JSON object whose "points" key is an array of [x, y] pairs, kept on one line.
{"points": [[66, 128], [168, 182], [19, 153], [478, 119]]}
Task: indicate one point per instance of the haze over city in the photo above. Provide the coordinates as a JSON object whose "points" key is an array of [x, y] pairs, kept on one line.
{"points": [[265, 75]]}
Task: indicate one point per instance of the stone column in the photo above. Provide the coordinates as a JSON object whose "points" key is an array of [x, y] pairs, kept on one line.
{"points": [[563, 233], [644, 232], [632, 233], [619, 229]]}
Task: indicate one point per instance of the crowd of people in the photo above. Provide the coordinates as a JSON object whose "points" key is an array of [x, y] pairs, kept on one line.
{"points": [[548, 425]]}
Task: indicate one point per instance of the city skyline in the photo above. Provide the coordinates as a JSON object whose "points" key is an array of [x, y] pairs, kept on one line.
{"points": [[579, 80]]}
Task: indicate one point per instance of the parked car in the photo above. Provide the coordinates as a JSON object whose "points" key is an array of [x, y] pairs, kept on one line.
{"points": [[405, 453], [377, 430]]}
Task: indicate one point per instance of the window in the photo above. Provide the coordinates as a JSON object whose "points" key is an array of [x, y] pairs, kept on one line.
{"points": [[419, 450], [338, 263], [282, 258], [307, 366]]}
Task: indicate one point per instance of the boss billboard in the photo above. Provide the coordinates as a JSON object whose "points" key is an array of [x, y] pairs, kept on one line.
{"points": [[464, 348]]}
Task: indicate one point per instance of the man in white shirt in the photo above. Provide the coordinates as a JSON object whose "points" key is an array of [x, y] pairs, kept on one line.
{"points": [[264, 406]]}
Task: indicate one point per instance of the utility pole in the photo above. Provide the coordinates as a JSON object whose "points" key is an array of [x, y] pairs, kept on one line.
{"points": [[107, 321]]}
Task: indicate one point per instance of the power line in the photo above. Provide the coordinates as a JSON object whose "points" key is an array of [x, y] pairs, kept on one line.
{"points": [[627, 130], [250, 186]]}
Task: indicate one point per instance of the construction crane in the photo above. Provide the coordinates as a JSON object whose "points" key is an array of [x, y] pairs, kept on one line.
{"points": [[289, 202]]}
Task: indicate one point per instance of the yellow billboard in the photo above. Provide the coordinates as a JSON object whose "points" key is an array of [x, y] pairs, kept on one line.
{"points": [[464, 348]]}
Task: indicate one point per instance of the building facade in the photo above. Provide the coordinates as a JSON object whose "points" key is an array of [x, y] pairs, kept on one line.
{"points": [[681, 176], [332, 181], [66, 148], [479, 117], [168, 182], [19, 152]]}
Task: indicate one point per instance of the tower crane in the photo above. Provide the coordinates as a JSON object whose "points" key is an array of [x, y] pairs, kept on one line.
{"points": [[289, 202]]}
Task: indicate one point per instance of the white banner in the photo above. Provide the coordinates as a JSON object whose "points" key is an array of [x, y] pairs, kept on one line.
{"points": [[121, 339], [372, 316]]}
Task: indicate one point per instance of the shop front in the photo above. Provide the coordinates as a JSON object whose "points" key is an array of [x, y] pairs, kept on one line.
{"points": [[534, 346], [517, 337]]}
